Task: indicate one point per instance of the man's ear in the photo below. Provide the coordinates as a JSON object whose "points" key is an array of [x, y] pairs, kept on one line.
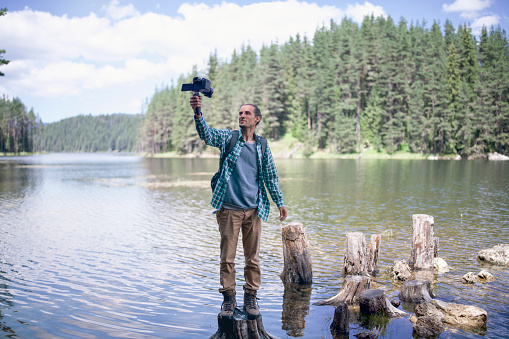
{"points": [[258, 119]]}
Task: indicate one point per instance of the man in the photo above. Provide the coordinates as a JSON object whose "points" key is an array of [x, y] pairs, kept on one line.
{"points": [[241, 200]]}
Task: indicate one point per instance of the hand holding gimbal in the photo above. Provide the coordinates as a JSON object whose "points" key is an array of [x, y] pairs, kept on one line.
{"points": [[199, 85]]}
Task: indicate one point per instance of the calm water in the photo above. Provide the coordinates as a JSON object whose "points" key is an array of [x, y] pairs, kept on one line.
{"points": [[112, 246]]}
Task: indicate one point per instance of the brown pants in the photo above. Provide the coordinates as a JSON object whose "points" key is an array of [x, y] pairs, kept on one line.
{"points": [[230, 222]]}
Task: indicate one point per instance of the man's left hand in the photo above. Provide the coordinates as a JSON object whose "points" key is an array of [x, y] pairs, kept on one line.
{"points": [[283, 213]]}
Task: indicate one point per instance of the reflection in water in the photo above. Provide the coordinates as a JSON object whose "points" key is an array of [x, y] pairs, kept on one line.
{"points": [[5, 302], [296, 300]]}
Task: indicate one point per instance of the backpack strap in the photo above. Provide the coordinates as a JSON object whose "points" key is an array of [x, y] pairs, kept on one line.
{"points": [[264, 145], [229, 147]]}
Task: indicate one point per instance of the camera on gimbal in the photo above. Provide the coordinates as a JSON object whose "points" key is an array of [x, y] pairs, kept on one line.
{"points": [[199, 85]]}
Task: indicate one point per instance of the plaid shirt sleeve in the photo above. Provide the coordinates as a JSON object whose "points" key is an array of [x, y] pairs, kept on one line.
{"points": [[218, 138], [212, 137]]}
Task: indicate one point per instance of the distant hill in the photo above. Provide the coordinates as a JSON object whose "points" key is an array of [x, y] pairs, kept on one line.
{"points": [[87, 133]]}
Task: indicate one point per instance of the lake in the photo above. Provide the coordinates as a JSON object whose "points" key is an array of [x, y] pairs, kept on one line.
{"points": [[120, 246]]}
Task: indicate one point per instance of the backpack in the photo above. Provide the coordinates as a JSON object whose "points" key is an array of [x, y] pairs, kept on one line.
{"points": [[228, 149]]}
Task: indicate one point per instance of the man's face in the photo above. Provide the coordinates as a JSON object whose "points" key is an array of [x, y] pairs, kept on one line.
{"points": [[247, 117]]}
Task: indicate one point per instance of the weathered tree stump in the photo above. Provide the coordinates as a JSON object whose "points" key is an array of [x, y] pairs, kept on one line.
{"points": [[359, 258], [376, 302], [239, 327], [340, 323], [423, 243], [373, 250], [297, 260], [349, 293], [355, 261], [416, 291]]}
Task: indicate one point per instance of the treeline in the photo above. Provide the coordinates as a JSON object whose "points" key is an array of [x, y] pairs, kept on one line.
{"points": [[382, 85], [87, 133], [22, 131], [19, 128]]}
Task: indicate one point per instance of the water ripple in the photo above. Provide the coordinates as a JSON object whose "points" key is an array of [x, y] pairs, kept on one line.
{"points": [[126, 247]]}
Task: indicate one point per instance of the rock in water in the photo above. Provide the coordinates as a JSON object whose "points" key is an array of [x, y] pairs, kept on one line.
{"points": [[485, 276], [440, 265], [497, 255], [400, 271], [428, 326], [468, 278], [461, 315]]}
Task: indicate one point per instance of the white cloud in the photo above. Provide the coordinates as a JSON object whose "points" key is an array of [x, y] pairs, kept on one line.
{"points": [[488, 21], [121, 50], [467, 8], [117, 12], [358, 12]]}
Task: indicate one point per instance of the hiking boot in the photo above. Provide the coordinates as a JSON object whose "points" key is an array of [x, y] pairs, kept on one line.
{"points": [[250, 304], [228, 305]]}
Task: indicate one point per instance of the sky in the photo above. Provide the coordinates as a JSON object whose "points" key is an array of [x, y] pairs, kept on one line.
{"points": [[70, 57]]}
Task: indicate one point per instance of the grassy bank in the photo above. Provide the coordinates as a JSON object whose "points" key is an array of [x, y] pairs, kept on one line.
{"points": [[290, 147]]}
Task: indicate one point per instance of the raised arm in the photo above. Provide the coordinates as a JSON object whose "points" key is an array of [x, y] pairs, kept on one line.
{"points": [[212, 137]]}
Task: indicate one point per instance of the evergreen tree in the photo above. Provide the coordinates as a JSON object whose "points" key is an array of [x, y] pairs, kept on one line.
{"points": [[271, 85], [3, 11]]}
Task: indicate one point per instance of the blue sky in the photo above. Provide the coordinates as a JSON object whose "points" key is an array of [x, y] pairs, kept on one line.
{"points": [[108, 56]]}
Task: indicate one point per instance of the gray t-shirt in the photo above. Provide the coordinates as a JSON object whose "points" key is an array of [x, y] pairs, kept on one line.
{"points": [[242, 191]]}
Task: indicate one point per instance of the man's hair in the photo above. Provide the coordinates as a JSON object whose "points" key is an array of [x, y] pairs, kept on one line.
{"points": [[258, 113]]}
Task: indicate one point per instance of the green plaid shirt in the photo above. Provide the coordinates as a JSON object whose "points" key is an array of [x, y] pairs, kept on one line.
{"points": [[266, 177]]}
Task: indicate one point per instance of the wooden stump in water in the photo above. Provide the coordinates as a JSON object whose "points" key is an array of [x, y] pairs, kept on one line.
{"points": [[423, 243], [355, 254], [239, 327], [376, 302], [349, 293], [416, 291], [340, 324], [297, 260], [374, 248], [359, 258]]}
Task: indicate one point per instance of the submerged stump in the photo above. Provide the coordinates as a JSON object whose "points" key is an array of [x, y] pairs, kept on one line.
{"points": [[297, 259], [240, 327], [349, 293], [340, 324], [375, 301], [416, 291]]}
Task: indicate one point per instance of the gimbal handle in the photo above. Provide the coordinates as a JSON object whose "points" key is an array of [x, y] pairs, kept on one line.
{"points": [[197, 110]]}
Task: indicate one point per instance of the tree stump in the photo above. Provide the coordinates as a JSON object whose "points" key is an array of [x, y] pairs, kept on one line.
{"points": [[239, 327], [340, 324], [359, 258], [423, 243], [349, 293], [416, 291], [376, 302], [355, 261], [297, 260], [374, 248]]}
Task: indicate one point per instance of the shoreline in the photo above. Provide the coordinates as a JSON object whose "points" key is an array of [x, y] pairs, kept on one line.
{"points": [[328, 155], [281, 152]]}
